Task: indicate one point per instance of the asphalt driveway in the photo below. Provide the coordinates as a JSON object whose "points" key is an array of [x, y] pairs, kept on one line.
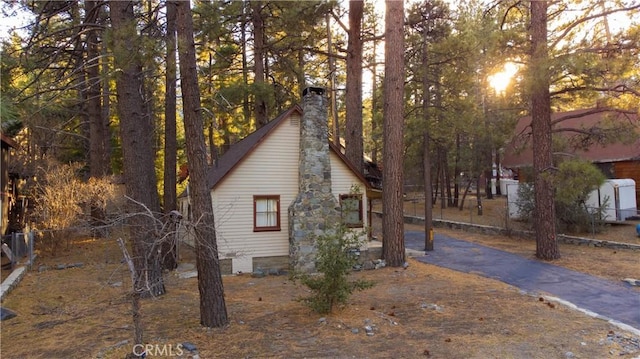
{"points": [[609, 300]]}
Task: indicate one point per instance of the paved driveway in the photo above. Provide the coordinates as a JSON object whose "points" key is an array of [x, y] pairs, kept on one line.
{"points": [[611, 300]]}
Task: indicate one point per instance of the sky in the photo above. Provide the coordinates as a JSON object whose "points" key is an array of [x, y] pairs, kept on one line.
{"points": [[11, 19]]}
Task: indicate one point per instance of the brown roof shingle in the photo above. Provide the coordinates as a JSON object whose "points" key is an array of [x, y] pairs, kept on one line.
{"points": [[518, 152]]}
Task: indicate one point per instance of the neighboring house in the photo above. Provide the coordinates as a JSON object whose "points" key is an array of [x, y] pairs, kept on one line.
{"points": [[616, 160], [6, 185], [254, 183]]}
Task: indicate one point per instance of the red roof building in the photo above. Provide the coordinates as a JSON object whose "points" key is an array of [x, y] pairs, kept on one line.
{"points": [[584, 135]]}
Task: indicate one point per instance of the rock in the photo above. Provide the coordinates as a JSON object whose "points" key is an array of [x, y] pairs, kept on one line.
{"points": [[116, 284], [274, 271], [369, 265], [42, 268], [76, 265], [569, 355], [258, 273], [355, 330], [322, 320], [60, 266], [6, 314], [189, 346], [405, 265], [432, 306], [369, 330], [633, 282]]}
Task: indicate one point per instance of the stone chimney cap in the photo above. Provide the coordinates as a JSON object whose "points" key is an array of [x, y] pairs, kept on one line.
{"points": [[316, 90]]}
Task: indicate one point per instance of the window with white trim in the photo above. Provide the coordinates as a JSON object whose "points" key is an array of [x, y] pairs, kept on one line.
{"points": [[351, 206], [266, 213]]}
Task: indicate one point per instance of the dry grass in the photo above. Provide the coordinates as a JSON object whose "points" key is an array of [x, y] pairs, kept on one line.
{"points": [[423, 311], [495, 214]]}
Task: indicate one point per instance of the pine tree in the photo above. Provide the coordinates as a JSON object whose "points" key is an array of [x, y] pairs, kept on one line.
{"points": [[213, 311], [393, 128]]}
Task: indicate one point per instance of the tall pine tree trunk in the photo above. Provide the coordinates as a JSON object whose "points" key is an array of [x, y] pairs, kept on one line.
{"points": [[98, 126], [213, 310], [426, 151], [393, 128], [353, 136], [442, 173], [544, 214], [258, 64], [246, 111], [374, 108], [169, 246], [428, 192], [447, 179], [136, 133], [456, 171], [105, 71], [98, 130], [333, 103]]}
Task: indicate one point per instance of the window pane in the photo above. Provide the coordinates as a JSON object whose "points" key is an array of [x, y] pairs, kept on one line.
{"points": [[352, 217], [261, 205], [350, 204], [261, 220], [271, 219], [351, 213], [266, 212]]}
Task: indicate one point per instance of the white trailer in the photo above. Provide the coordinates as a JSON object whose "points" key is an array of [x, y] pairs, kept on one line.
{"points": [[510, 187], [619, 196]]}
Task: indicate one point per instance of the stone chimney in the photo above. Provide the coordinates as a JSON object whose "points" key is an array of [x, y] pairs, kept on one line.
{"points": [[315, 208]]}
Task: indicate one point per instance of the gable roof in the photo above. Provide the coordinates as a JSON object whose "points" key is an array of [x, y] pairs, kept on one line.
{"points": [[518, 152], [241, 149]]}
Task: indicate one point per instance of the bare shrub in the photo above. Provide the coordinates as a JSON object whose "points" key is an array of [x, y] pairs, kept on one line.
{"points": [[62, 198]]}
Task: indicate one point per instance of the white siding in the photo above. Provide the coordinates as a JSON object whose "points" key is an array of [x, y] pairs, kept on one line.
{"points": [[342, 181], [271, 169]]}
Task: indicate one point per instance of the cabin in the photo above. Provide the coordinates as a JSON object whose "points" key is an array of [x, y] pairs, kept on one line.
{"points": [[261, 185], [617, 160]]}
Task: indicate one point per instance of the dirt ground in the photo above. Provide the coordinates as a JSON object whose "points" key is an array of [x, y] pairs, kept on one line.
{"points": [[495, 214], [420, 312]]}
